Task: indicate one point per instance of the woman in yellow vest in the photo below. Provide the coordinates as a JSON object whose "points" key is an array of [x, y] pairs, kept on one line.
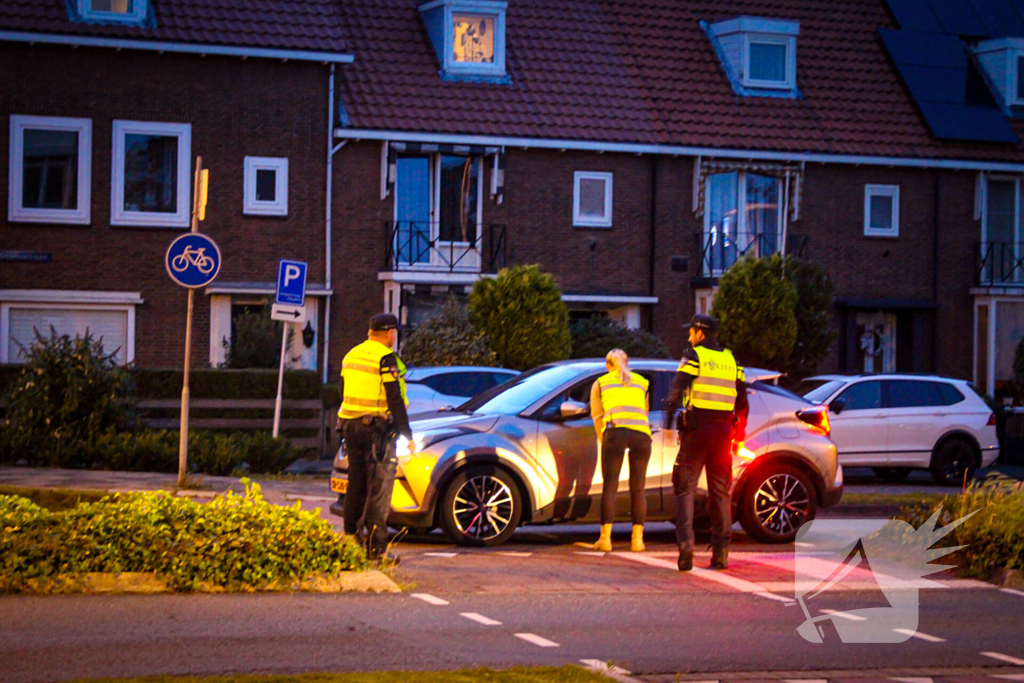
{"points": [[619, 405]]}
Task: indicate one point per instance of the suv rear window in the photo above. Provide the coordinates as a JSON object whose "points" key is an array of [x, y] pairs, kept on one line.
{"points": [[906, 393], [949, 394]]}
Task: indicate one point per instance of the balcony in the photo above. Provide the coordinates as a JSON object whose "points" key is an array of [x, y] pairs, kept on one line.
{"points": [[999, 263], [422, 246], [718, 252]]}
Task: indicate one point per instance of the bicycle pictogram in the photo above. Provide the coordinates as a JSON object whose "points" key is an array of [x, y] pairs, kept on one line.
{"points": [[193, 257]]}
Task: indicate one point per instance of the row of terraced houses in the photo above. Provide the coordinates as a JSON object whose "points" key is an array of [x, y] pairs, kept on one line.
{"points": [[633, 148]]}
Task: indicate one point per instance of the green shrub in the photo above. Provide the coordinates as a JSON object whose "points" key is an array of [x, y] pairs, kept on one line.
{"points": [[68, 392], [144, 450], [815, 292], [523, 317], [255, 341], [158, 383], [238, 543], [994, 537], [447, 338], [595, 337], [212, 453]]}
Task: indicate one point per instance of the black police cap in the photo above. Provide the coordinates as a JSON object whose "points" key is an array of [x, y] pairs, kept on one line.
{"points": [[383, 322], [705, 323]]}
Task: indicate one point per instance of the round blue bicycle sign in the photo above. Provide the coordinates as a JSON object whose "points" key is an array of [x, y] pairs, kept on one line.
{"points": [[193, 260]]}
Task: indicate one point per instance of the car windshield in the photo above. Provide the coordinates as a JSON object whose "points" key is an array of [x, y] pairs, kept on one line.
{"points": [[818, 390], [517, 394]]}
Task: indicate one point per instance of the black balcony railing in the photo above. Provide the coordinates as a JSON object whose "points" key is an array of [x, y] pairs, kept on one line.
{"points": [[419, 245], [999, 263], [719, 252]]}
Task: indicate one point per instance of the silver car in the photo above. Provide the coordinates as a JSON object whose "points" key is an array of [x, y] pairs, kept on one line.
{"points": [[525, 452], [434, 388]]}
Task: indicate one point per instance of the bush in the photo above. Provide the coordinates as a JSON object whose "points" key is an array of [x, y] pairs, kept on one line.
{"points": [[595, 337], [68, 392], [1018, 374], [814, 332], [255, 341], [447, 338], [994, 537], [238, 543], [220, 383], [523, 317], [755, 306]]}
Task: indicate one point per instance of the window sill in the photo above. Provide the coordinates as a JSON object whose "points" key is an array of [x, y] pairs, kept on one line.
{"points": [[265, 213], [592, 226], [150, 221], [51, 219], [881, 236]]}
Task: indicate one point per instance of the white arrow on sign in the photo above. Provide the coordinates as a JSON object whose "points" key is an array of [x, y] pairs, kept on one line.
{"points": [[289, 314]]}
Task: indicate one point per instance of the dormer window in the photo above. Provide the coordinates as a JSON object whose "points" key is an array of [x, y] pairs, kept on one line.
{"points": [[758, 54], [468, 37], [1003, 62], [126, 12]]}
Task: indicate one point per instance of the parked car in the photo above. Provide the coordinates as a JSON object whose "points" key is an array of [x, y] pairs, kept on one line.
{"points": [[431, 388], [897, 423], [525, 452]]}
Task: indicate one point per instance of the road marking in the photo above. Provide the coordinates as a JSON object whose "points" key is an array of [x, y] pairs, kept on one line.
{"points": [[608, 670], [428, 598], [311, 499], [512, 554], [440, 554], [912, 680], [805, 680], [1011, 591], [1004, 658], [592, 553], [843, 615], [716, 576], [1010, 677], [480, 619], [922, 636], [537, 640]]}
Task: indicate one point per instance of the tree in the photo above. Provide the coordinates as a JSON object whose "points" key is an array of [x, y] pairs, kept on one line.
{"points": [[755, 306], [522, 315], [595, 337], [447, 338], [814, 332], [255, 341]]}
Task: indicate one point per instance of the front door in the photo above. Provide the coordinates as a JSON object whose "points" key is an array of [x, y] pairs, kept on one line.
{"points": [[411, 240], [574, 449], [859, 430]]}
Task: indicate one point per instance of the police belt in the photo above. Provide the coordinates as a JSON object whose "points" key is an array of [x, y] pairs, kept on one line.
{"points": [[375, 422], [705, 414]]}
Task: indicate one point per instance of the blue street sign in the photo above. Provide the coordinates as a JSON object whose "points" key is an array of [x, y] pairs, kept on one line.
{"points": [[193, 260], [291, 283]]}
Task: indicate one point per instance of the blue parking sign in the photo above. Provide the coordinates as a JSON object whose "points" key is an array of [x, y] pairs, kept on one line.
{"points": [[291, 283]]}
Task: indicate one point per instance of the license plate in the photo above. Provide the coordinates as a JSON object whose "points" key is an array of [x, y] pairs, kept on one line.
{"points": [[339, 485]]}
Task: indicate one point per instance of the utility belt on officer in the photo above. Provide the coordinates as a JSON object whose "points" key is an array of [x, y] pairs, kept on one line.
{"points": [[691, 419], [378, 423]]}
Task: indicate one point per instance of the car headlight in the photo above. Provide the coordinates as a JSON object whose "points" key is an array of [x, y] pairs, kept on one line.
{"points": [[424, 440]]}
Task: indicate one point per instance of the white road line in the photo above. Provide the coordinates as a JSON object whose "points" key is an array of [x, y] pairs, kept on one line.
{"points": [[1011, 591], [440, 554], [1004, 658], [480, 619], [922, 636], [592, 553], [537, 640], [428, 598], [608, 671], [805, 680], [843, 615], [1010, 677], [512, 554], [311, 499], [912, 680], [718, 577]]}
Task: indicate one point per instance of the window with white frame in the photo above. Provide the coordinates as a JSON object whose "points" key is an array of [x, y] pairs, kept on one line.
{"points": [[468, 35], [742, 215], [150, 184], [592, 199], [881, 210], [127, 12], [758, 53], [1002, 231], [266, 186], [767, 62], [50, 170]]}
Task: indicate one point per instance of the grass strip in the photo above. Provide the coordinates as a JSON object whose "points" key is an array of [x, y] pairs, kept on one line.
{"points": [[894, 499], [54, 500], [564, 674]]}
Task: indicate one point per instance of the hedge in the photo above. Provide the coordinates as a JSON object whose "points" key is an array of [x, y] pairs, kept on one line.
{"points": [[234, 542]]}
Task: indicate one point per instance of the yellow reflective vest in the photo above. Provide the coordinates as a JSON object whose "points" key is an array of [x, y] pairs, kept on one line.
{"points": [[715, 374], [364, 388], [625, 405]]}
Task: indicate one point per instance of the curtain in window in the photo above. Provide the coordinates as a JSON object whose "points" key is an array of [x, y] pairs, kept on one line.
{"points": [[412, 210], [768, 62], [151, 173], [723, 215], [762, 207], [458, 202]]}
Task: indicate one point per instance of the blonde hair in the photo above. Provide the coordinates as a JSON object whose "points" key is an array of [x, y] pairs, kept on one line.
{"points": [[618, 360]]}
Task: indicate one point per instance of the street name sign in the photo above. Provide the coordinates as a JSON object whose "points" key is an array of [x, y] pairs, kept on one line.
{"points": [[193, 260], [291, 283], [288, 313]]}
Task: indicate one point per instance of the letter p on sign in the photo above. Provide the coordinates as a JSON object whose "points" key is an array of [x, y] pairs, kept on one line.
{"points": [[291, 272], [291, 283]]}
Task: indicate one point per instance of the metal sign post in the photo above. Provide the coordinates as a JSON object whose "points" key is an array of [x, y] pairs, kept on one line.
{"points": [[193, 261], [288, 307]]}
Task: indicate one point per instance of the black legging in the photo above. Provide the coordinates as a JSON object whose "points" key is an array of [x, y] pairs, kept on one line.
{"points": [[613, 447]]}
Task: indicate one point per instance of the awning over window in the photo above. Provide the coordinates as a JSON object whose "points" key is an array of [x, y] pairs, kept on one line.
{"points": [[391, 150], [792, 175]]}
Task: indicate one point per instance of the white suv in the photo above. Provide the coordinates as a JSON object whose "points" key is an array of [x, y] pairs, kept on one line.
{"points": [[896, 423]]}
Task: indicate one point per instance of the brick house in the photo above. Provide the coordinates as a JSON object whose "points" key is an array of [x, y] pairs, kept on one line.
{"points": [[634, 149]]}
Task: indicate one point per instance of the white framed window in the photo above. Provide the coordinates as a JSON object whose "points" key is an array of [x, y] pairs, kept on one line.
{"points": [[468, 35], [758, 54], [128, 12], [50, 170], [769, 61], [743, 215], [266, 186], [592, 199], [881, 210], [150, 183]]}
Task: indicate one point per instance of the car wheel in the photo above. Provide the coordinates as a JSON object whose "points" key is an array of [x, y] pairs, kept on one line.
{"points": [[776, 502], [893, 473], [482, 506], [954, 462]]}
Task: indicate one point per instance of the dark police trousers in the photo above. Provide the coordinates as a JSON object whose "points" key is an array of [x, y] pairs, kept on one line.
{"points": [[372, 464], [710, 447], [615, 442]]}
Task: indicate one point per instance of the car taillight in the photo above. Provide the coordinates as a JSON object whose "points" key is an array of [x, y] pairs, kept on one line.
{"points": [[992, 420], [816, 418]]}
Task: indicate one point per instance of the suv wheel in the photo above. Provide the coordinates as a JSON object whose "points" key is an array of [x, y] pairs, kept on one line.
{"points": [[953, 462], [482, 506], [775, 502]]}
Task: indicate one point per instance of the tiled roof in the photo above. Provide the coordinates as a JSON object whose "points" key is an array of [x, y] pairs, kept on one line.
{"points": [[643, 71], [307, 25]]}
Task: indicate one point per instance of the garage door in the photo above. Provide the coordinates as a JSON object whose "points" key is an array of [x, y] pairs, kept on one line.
{"points": [[111, 327]]}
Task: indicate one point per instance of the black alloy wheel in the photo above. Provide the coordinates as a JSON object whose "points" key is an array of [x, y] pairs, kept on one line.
{"points": [[482, 506], [954, 462], [776, 501]]}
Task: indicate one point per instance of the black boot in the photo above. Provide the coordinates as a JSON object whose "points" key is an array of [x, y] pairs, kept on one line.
{"points": [[719, 558], [685, 560]]}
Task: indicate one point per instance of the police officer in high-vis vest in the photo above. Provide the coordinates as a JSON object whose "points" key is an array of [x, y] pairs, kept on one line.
{"points": [[619, 406], [711, 386], [372, 416]]}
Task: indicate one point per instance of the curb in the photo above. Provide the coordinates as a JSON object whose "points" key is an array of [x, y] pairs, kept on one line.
{"points": [[148, 583]]}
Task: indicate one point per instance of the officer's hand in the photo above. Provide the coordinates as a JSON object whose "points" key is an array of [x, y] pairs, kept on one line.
{"points": [[412, 447]]}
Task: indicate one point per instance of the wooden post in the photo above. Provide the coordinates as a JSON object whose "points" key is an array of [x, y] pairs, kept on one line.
{"points": [[280, 380]]}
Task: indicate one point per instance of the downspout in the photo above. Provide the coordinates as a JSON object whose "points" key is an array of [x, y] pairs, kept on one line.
{"points": [[935, 274], [652, 237], [331, 151]]}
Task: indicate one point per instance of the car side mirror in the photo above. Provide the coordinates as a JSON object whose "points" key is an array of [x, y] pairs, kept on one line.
{"points": [[837, 405], [572, 409]]}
